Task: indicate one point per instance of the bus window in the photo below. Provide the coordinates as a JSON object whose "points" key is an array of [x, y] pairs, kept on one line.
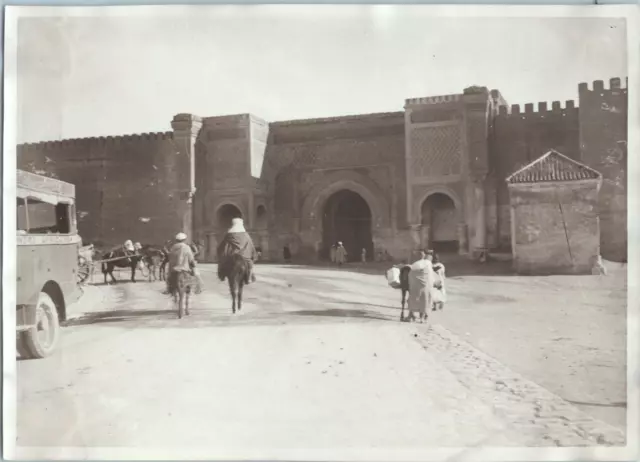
{"points": [[21, 217], [45, 218]]}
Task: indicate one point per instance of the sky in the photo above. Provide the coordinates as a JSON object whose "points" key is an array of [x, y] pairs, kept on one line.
{"points": [[113, 75]]}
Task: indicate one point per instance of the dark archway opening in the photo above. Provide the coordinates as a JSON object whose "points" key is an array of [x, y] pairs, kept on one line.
{"points": [[347, 218], [226, 213], [439, 214]]}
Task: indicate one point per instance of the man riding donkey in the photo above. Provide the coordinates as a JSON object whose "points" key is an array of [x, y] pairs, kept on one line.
{"points": [[181, 259], [236, 242]]}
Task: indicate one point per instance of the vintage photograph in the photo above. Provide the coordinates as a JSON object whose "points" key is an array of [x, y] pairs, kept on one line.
{"points": [[317, 232]]}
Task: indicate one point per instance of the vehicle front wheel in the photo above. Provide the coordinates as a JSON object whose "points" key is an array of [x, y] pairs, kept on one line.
{"points": [[41, 340]]}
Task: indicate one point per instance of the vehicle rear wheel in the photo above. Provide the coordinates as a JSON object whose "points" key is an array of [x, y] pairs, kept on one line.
{"points": [[41, 340]]}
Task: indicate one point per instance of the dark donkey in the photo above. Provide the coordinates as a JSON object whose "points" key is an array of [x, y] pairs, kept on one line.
{"points": [[182, 285], [121, 259], [404, 287], [154, 257], [236, 269]]}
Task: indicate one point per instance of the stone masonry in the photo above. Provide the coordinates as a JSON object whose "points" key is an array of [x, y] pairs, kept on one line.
{"points": [[278, 176], [554, 221]]}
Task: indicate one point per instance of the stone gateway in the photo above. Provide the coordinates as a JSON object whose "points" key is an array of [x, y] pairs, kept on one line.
{"points": [[431, 175]]}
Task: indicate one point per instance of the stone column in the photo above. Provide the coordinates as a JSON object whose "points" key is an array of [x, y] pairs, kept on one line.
{"points": [[480, 223], [477, 113], [185, 131], [425, 236], [415, 235], [462, 239]]}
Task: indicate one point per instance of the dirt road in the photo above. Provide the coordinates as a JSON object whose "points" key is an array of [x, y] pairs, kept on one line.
{"points": [[316, 359]]}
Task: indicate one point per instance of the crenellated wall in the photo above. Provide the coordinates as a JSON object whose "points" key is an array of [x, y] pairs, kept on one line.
{"points": [[126, 186], [521, 135], [603, 143], [147, 187]]}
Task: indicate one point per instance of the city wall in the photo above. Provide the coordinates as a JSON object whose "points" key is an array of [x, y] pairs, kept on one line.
{"points": [[140, 187], [126, 186]]}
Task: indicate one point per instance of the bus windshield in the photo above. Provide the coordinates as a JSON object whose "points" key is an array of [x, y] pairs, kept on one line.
{"points": [[38, 217], [44, 206]]}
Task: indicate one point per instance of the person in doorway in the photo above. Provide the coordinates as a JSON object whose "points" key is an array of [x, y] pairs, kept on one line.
{"points": [[341, 254], [332, 253], [286, 253], [440, 291], [237, 241], [363, 255], [421, 279]]}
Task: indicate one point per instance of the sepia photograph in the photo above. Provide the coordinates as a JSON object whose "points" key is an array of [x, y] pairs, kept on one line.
{"points": [[320, 232]]}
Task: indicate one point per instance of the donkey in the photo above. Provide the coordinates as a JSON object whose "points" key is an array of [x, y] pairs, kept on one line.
{"points": [[121, 259], [154, 258], [404, 287], [237, 271], [181, 286]]}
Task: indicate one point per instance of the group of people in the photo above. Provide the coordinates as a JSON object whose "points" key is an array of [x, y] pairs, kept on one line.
{"points": [[427, 290], [180, 256]]}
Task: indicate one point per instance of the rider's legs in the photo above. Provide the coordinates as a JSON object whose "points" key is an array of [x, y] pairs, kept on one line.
{"points": [[252, 271]]}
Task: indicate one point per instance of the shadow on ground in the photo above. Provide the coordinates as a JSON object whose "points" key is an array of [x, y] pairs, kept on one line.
{"points": [[115, 316], [338, 313]]}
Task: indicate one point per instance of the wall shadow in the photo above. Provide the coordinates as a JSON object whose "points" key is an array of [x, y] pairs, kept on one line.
{"points": [[455, 267]]}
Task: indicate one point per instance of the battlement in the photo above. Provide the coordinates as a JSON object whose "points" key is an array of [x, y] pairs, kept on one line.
{"points": [[543, 110], [441, 99], [97, 140], [615, 86]]}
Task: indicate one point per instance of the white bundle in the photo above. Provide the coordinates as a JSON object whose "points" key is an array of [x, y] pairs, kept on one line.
{"points": [[393, 277]]}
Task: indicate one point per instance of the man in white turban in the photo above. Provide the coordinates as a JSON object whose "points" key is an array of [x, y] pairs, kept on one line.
{"points": [[236, 242], [180, 260]]}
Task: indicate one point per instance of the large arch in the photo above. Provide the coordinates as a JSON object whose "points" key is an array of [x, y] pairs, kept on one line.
{"points": [[312, 208], [346, 217], [440, 216]]}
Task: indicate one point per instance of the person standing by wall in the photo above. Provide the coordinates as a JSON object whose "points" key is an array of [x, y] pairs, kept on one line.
{"points": [[332, 253]]}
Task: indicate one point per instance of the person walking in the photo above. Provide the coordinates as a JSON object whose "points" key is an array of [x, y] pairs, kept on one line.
{"points": [[421, 279], [440, 291], [341, 254]]}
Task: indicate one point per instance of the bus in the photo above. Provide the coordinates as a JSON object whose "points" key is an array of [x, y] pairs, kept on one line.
{"points": [[47, 265]]}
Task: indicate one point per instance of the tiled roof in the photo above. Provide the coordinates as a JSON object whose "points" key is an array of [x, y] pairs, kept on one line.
{"points": [[553, 167]]}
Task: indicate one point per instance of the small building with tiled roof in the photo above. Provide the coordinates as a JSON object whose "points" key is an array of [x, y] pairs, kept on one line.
{"points": [[555, 227]]}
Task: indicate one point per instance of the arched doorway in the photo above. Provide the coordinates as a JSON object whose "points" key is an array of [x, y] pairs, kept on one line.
{"points": [[439, 215], [346, 217], [225, 214]]}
